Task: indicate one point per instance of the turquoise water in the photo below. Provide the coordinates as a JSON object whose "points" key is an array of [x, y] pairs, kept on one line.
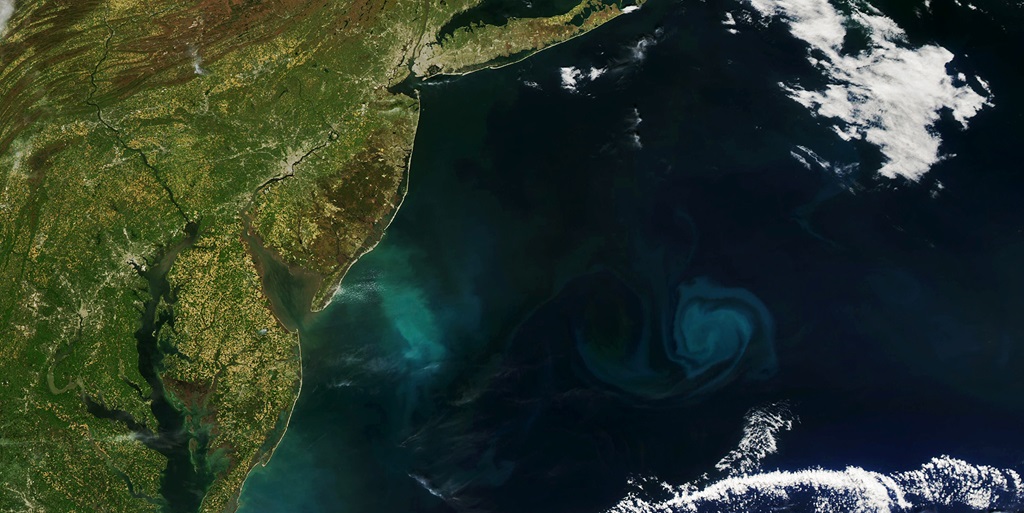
{"points": [[584, 287]]}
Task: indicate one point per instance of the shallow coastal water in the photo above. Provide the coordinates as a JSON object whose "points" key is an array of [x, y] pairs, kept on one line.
{"points": [[589, 285]]}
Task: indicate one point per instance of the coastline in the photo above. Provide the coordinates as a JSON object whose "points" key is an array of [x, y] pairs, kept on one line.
{"points": [[530, 53], [403, 191], [266, 262], [263, 459], [405, 185]]}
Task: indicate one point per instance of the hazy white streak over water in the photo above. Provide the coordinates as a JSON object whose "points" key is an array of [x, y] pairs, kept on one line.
{"points": [[888, 94]]}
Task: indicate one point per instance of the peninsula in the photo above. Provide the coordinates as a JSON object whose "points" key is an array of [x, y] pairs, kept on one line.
{"points": [[181, 184]]}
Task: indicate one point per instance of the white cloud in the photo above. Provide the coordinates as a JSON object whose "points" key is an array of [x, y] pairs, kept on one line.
{"points": [[633, 133], [761, 430], [942, 482], [638, 52], [6, 11], [742, 487], [889, 94], [730, 22], [573, 78], [570, 78], [197, 60]]}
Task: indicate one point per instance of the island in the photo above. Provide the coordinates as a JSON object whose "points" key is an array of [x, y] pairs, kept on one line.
{"points": [[182, 184]]}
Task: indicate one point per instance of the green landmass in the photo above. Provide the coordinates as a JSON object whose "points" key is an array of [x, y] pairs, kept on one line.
{"points": [[181, 183]]}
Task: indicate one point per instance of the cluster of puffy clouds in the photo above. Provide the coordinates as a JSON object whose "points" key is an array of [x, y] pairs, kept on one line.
{"points": [[573, 78], [761, 430], [943, 482], [889, 93]]}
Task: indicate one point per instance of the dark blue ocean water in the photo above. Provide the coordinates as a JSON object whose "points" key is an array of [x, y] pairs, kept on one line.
{"points": [[586, 286]]}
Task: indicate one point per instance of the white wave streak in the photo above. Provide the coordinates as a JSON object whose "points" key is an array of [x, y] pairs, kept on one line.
{"points": [[761, 430], [6, 11], [426, 486], [942, 482], [810, 160], [888, 94]]}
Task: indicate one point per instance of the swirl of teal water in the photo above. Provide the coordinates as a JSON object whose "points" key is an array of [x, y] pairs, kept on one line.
{"points": [[714, 326], [707, 336]]}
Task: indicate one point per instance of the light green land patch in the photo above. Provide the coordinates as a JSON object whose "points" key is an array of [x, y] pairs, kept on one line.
{"points": [[138, 141], [479, 46]]}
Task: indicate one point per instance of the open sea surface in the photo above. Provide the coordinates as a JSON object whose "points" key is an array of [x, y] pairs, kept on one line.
{"points": [[620, 252]]}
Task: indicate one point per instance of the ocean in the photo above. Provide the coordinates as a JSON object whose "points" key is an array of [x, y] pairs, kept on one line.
{"points": [[651, 261]]}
